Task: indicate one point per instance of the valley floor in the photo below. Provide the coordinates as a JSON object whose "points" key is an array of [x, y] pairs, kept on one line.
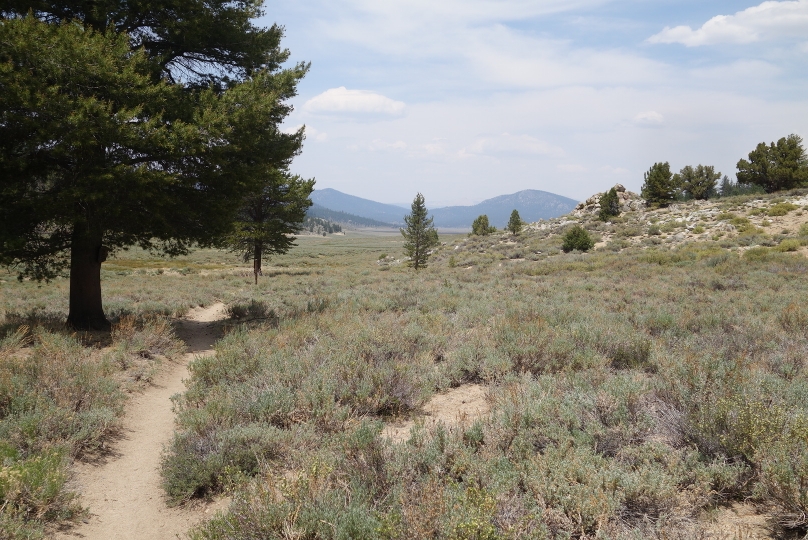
{"points": [[654, 388]]}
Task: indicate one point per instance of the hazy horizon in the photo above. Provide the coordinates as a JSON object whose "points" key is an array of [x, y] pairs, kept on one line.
{"points": [[464, 101]]}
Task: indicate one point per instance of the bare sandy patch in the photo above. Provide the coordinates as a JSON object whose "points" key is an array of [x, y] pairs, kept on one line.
{"points": [[739, 522], [459, 406]]}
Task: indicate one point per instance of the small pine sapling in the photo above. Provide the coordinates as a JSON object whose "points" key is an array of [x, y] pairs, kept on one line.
{"points": [[419, 234], [609, 205], [515, 224]]}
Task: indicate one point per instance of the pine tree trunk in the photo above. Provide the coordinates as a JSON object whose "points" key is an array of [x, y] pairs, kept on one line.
{"points": [[86, 255], [257, 260]]}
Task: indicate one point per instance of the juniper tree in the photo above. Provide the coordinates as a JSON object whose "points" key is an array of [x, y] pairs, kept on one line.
{"points": [[126, 123], [515, 223], [419, 234]]}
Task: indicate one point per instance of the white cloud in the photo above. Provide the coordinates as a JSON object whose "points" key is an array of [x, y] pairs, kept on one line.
{"points": [[495, 90], [509, 58], [434, 148], [767, 21], [377, 145], [316, 134], [342, 100], [469, 10], [649, 118], [512, 144], [571, 168]]}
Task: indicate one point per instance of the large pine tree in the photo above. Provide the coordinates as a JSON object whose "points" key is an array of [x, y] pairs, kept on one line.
{"points": [[419, 234], [128, 123], [780, 165]]}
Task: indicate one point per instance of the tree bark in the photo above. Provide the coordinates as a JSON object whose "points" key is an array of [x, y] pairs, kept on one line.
{"points": [[257, 252], [86, 255]]}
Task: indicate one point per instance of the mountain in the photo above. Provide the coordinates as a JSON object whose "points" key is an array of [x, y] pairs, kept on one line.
{"points": [[532, 205], [342, 202], [336, 216]]}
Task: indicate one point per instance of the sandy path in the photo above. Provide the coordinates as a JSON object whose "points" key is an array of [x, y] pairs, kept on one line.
{"points": [[123, 492]]}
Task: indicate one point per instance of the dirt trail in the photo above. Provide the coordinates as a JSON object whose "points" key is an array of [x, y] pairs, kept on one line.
{"points": [[123, 492]]}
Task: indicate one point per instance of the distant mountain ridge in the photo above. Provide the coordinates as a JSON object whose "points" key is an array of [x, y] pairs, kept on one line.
{"points": [[337, 216], [532, 205], [350, 204]]}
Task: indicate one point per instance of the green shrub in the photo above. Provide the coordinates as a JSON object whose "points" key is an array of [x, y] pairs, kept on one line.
{"points": [[36, 486], [758, 254], [784, 474], [629, 231], [577, 238], [794, 318], [781, 209], [251, 311], [789, 244], [671, 226], [60, 400]]}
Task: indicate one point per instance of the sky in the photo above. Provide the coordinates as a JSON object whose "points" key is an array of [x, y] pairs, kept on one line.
{"points": [[463, 100]]}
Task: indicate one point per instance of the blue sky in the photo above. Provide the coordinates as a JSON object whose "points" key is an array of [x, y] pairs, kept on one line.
{"points": [[464, 100]]}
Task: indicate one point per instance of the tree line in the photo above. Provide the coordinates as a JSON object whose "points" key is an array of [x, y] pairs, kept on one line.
{"points": [[420, 235], [154, 124], [769, 168], [322, 226]]}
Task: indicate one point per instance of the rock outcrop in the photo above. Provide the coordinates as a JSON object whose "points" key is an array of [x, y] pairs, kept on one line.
{"points": [[628, 201]]}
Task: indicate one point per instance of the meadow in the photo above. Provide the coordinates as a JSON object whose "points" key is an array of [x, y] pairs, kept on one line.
{"points": [[633, 392]]}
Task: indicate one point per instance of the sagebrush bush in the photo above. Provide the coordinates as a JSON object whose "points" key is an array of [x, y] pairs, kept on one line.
{"points": [[60, 400]]}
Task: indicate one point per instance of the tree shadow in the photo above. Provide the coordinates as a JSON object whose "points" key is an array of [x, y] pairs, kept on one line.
{"points": [[198, 336]]}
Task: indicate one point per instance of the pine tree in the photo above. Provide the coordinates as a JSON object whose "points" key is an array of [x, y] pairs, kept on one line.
{"points": [[515, 223], [419, 234], [131, 123], [659, 188], [697, 182], [481, 227], [609, 205], [266, 222], [781, 165]]}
